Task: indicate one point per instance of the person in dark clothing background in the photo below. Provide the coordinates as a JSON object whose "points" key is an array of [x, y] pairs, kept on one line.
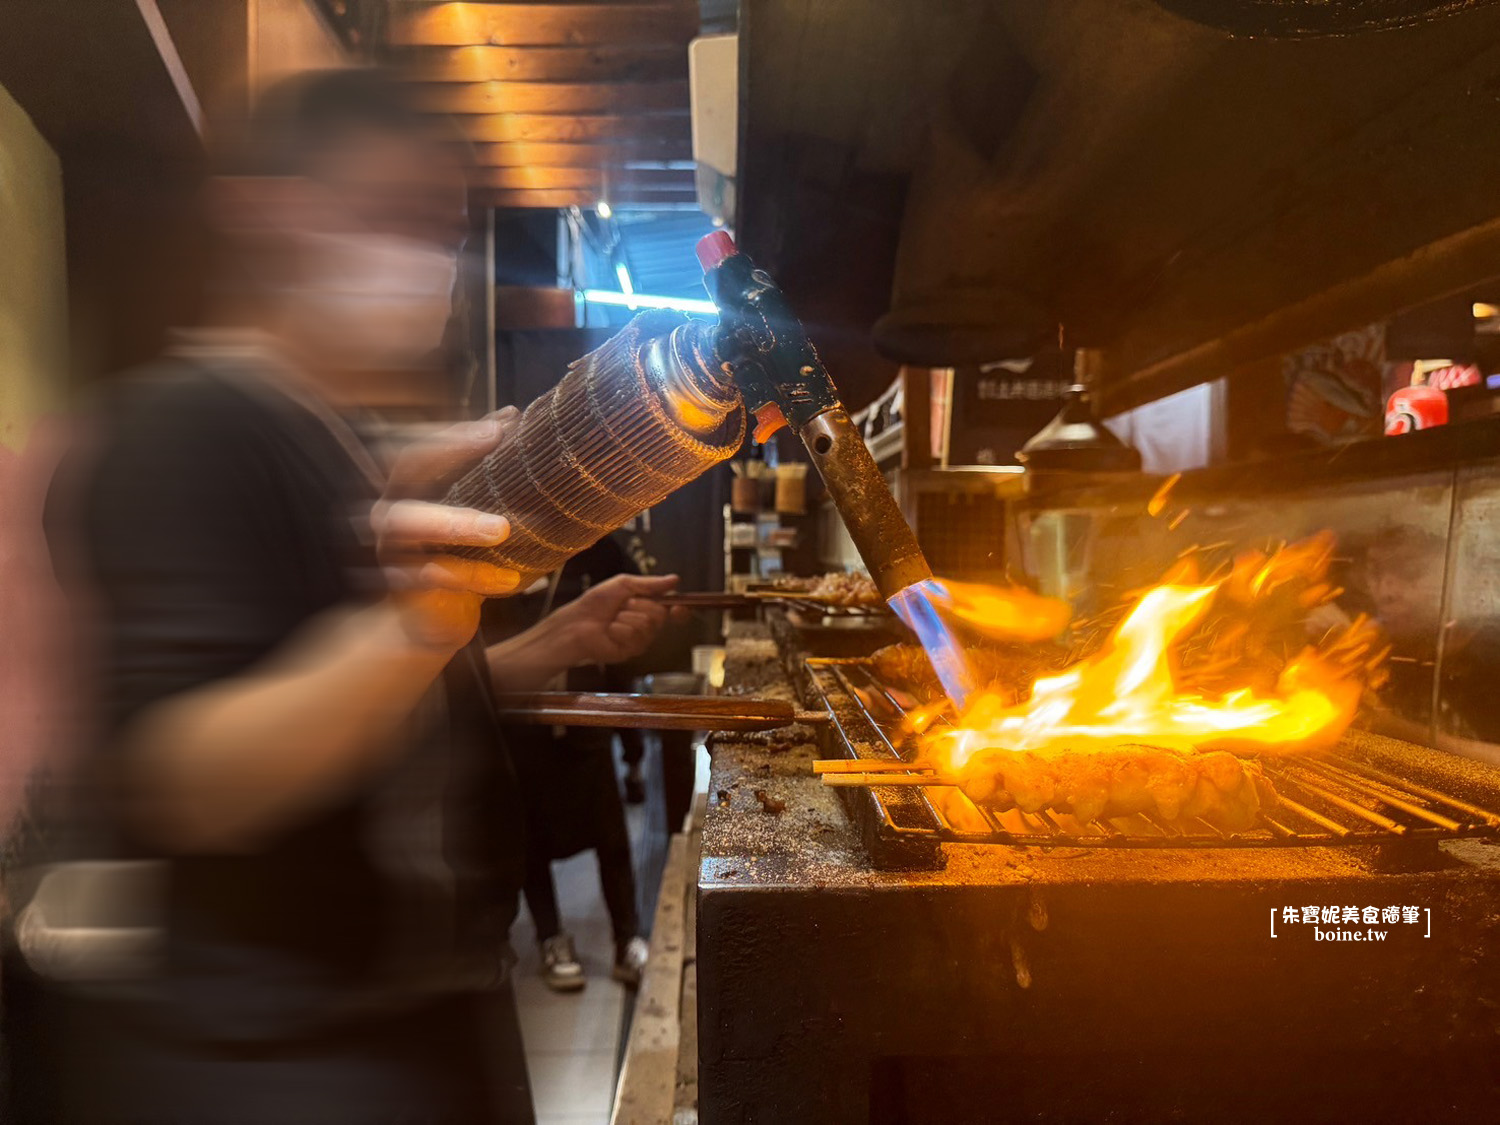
{"points": [[572, 795], [296, 726]]}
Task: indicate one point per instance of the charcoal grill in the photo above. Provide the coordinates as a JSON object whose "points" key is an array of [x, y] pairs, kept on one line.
{"points": [[895, 966], [1365, 791]]}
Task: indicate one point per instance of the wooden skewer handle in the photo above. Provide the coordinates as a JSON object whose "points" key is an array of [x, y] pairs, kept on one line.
{"points": [[706, 600], [652, 712], [867, 765]]}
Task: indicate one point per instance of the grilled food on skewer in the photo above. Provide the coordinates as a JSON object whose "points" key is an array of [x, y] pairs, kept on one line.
{"points": [[836, 588], [904, 666], [847, 590], [1119, 781]]}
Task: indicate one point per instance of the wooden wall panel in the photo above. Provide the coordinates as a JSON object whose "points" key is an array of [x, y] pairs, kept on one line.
{"points": [[515, 25], [625, 62], [551, 97], [512, 127], [521, 154]]}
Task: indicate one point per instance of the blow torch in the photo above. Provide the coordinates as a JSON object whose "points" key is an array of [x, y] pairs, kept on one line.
{"points": [[784, 383], [665, 399]]}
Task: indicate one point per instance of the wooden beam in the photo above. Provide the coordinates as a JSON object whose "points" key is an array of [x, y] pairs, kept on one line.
{"points": [[916, 418], [518, 25], [625, 62], [582, 197], [170, 59], [609, 180], [522, 154], [511, 127], [648, 1076], [551, 97]]}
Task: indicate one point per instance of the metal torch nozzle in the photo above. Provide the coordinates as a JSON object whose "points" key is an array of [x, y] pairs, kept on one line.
{"points": [[785, 383], [880, 532]]}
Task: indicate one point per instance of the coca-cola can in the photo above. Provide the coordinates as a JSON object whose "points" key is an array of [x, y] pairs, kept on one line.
{"points": [[1415, 408]]}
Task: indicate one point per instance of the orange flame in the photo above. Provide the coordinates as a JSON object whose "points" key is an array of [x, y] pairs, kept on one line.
{"points": [[1191, 666], [1001, 612]]}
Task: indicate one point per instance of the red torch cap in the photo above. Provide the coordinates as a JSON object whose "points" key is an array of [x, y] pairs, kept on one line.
{"points": [[714, 247]]}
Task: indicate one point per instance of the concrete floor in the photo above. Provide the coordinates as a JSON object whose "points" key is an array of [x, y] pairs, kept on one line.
{"points": [[574, 1040]]}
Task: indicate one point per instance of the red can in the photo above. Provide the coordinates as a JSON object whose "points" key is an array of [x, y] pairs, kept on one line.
{"points": [[1416, 408]]}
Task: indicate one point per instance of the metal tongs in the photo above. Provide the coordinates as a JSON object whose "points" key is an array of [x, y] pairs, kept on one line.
{"points": [[652, 712]]}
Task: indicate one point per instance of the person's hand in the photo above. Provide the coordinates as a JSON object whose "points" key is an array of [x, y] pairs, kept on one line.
{"points": [[613, 621], [438, 595]]}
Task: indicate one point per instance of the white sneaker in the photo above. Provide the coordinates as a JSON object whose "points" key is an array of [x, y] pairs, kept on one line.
{"points": [[631, 962], [560, 967]]}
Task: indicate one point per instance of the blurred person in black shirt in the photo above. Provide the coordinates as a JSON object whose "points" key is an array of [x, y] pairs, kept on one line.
{"points": [[572, 794], [296, 721]]}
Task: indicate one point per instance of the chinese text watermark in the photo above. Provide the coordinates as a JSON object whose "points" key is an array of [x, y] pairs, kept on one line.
{"points": [[1351, 923]]}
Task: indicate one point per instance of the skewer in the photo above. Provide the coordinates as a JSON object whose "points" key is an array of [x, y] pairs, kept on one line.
{"points": [[1384, 778], [1363, 786], [886, 778], [652, 712], [749, 599], [1360, 811], [866, 765], [705, 600], [1278, 828], [1310, 814]]}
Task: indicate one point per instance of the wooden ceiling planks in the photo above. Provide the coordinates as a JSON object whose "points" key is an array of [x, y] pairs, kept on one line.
{"points": [[512, 127], [605, 154], [614, 181], [567, 103], [624, 62], [552, 97], [524, 25]]}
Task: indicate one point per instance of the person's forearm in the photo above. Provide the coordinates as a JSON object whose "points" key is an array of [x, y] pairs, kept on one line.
{"points": [[531, 660], [224, 766], [612, 621]]}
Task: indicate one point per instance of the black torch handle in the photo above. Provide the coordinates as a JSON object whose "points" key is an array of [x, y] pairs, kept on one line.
{"points": [[784, 382], [773, 361]]}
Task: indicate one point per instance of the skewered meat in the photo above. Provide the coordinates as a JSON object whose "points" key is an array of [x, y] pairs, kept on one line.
{"points": [[846, 590], [904, 666], [836, 588], [1120, 781]]}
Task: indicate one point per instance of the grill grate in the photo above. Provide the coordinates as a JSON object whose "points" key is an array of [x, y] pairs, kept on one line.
{"points": [[1328, 798], [822, 607]]}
